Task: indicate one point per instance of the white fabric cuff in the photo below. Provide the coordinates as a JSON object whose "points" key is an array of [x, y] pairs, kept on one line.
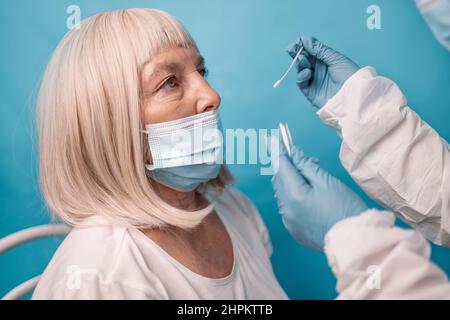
{"points": [[333, 110]]}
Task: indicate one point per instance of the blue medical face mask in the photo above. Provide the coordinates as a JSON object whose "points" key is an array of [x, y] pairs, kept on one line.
{"points": [[437, 15], [186, 152]]}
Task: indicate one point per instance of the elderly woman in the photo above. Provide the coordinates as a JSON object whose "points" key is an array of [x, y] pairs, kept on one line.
{"points": [[149, 222]]}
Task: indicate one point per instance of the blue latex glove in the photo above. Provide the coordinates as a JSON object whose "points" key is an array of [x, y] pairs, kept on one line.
{"points": [[321, 71], [310, 200]]}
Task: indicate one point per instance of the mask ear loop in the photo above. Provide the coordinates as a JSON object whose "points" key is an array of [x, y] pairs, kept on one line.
{"points": [[278, 82], [146, 152]]}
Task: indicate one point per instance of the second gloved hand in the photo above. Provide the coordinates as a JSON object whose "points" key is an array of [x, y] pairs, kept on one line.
{"points": [[321, 71], [310, 200]]}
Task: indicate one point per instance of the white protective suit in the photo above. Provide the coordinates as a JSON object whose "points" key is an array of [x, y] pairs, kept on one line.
{"points": [[373, 259], [396, 158], [437, 14], [402, 163]]}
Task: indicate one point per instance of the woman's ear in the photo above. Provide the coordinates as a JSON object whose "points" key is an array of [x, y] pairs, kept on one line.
{"points": [[147, 154], [146, 148]]}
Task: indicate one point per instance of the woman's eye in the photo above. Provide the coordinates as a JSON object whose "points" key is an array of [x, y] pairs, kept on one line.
{"points": [[204, 72], [170, 83]]}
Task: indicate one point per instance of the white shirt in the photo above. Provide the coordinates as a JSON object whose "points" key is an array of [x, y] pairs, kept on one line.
{"points": [[114, 262]]}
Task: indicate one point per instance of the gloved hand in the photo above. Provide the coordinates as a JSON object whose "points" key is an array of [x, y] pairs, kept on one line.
{"points": [[310, 200], [321, 71]]}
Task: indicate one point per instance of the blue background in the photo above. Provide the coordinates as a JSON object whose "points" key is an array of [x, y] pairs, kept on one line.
{"points": [[243, 43]]}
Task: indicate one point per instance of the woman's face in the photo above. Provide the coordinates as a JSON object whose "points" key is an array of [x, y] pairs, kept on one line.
{"points": [[174, 86]]}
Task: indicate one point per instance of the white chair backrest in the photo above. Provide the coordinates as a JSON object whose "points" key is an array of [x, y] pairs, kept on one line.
{"points": [[27, 235]]}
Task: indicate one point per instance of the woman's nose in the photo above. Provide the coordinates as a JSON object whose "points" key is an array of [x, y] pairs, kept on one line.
{"points": [[207, 98]]}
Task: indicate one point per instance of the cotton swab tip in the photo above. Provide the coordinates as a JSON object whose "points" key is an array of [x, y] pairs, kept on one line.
{"points": [[276, 84]]}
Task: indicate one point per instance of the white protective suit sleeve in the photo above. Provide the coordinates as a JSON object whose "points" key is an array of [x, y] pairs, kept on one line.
{"points": [[396, 158], [373, 259]]}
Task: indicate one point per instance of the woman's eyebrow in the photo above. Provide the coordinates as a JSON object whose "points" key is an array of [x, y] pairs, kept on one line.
{"points": [[173, 67], [166, 66]]}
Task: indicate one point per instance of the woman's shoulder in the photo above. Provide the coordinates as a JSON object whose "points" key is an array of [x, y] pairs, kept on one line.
{"points": [[93, 246], [93, 263]]}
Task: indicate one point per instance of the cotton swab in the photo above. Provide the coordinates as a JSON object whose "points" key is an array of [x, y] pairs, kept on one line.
{"points": [[277, 83]]}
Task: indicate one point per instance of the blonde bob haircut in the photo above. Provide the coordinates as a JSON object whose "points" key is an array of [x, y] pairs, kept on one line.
{"points": [[91, 150]]}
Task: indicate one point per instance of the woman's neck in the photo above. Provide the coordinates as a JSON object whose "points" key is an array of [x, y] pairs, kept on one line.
{"points": [[189, 200]]}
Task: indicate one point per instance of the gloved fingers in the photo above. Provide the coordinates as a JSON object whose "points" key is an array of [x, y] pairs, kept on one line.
{"points": [[308, 166], [303, 62], [319, 50], [304, 81], [315, 160], [304, 87], [299, 159], [293, 48], [298, 156], [275, 146], [304, 76], [288, 180], [312, 171]]}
